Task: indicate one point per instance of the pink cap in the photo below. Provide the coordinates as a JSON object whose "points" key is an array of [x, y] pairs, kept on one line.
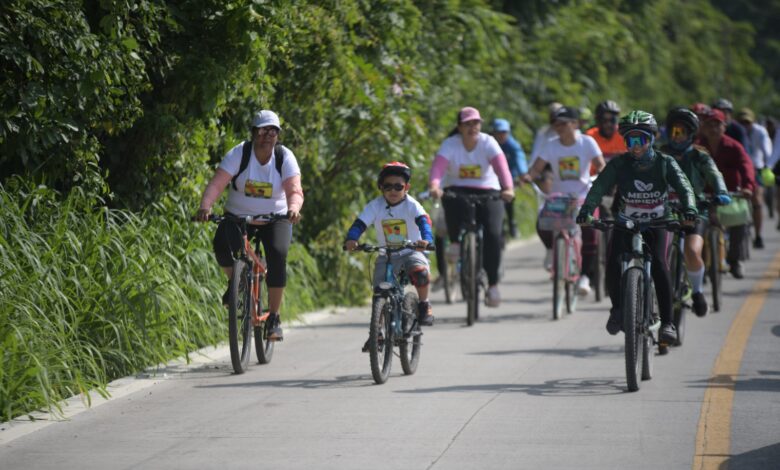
{"points": [[715, 115], [469, 114]]}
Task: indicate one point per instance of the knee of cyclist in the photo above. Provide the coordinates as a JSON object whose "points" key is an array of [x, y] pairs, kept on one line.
{"points": [[420, 277]]}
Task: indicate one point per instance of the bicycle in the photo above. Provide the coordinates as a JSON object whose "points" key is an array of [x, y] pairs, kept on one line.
{"points": [[394, 318], [714, 254], [472, 275], [245, 302], [448, 272], [640, 321], [558, 215]]}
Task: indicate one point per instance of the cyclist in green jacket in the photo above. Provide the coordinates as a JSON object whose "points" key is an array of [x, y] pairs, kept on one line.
{"points": [[643, 177], [682, 124]]}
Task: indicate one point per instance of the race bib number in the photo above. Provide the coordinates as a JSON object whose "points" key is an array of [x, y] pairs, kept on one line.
{"points": [[470, 171], [395, 231], [643, 212], [569, 168], [259, 189]]}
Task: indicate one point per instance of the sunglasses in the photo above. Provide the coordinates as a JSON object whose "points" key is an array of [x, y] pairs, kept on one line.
{"points": [[393, 187], [679, 132], [639, 139], [268, 130]]}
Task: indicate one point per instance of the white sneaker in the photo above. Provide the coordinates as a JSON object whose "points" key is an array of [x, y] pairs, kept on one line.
{"points": [[453, 252], [548, 261], [583, 285], [493, 298]]}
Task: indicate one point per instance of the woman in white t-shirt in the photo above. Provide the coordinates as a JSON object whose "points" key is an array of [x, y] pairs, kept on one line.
{"points": [[270, 183], [570, 156], [474, 163]]}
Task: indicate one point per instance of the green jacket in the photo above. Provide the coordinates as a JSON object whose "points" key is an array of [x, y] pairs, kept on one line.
{"points": [[642, 192], [701, 171]]}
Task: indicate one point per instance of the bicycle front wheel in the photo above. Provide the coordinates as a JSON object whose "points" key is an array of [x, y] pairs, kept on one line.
{"points": [[632, 306], [648, 353], [410, 343], [469, 277], [559, 283], [239, 316], [598, 268], [380, 341]]}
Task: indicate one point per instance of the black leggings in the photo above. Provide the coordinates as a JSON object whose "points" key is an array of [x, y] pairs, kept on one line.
{"points": [[490, 214], [275, 236], [658, 240]]}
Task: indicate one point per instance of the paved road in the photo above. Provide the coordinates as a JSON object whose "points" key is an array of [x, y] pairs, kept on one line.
{"points": [[515, 391]]}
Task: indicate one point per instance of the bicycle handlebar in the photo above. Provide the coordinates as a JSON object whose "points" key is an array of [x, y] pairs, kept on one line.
{"points": [[271, 217], [368, 248], [631, 226], [450, 194]]}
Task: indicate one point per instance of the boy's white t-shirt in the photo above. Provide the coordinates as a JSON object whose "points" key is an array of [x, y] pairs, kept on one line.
{"points": [[571, 165], [393, 224], [471, 168], [259, 186]]}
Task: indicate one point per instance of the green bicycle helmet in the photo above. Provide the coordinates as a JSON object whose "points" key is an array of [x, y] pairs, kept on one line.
{"points": [[638, 120]]}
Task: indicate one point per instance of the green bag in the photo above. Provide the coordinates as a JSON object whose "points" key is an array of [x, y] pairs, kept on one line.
{"points": [[767, 177], [736, 213]]}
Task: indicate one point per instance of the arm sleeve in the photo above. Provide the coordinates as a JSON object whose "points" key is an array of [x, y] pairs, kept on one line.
{"points": [[424, 224], [502, 170], [603, 183], [711, 173], [677, 179], [356, 230], [438, 169]]}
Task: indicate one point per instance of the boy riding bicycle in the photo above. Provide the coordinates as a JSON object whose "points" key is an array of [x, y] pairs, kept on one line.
{"points": [[398, 217]]}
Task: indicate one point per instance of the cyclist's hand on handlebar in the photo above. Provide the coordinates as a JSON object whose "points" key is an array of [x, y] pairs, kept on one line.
{"points": [[421, 244], [722, 199], [508, 194], [583, 218], [203, 215], [350, 245], [746, 192], [436, 193], [689, 215], [294, 216]]}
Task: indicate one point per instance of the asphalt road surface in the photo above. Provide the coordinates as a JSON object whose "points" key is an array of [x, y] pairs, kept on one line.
{"points": [[515, 391]]}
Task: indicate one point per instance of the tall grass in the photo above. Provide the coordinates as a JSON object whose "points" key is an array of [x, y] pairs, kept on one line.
{"points": [[88, 294]]}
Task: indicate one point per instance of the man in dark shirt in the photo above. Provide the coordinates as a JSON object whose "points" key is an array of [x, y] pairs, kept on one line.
{"points": [[733, 128]]}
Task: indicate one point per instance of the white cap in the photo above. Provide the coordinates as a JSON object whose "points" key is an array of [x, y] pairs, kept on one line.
{"points": [[264, 118]]}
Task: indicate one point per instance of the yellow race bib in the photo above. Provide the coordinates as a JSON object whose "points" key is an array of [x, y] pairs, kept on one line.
{"points": [[470, 172], [258, 189]]}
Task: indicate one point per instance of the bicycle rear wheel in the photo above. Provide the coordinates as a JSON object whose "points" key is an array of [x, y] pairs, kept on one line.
{"points": [[411, 342], [559, 283], [263, 349], [598, 269], [469, 277], [714, 241], [239, 316], [380, 341], [648, 353], [682, 292], [632, 306]]}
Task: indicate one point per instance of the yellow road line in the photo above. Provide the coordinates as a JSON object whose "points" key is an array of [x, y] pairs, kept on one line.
{"points": [[713, 439]]}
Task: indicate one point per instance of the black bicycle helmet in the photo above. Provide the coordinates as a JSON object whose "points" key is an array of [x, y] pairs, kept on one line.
{"points": [[607, 106], [638, 120], [723, 104], [685, 116], [394, 168]]}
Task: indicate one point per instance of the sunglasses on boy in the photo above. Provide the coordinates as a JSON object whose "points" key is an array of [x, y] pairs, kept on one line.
{"points": [[639, 139], [393, 186]]}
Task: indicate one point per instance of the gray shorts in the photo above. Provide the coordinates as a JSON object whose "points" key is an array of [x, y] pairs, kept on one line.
{"points": [[409, 262]]}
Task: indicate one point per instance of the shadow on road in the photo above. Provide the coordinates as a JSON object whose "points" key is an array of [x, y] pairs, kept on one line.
{"points": [[593, 351], [578, 387], [753, 384], [776, 330], [345, 381], [764, 458]]}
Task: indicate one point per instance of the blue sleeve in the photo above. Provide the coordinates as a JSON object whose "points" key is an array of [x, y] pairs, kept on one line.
{"points": [[522, 164], [515, 157], [424, 224], [357, 229]]}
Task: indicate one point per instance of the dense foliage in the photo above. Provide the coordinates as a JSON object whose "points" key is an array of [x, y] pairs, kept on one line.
{"points": [[128, 106]]}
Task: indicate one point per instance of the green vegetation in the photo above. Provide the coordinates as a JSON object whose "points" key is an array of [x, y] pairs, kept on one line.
{"points": [[114, 115]]}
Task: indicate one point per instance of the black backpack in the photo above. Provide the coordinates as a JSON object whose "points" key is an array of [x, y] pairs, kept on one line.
{"points": [[246, 154]]}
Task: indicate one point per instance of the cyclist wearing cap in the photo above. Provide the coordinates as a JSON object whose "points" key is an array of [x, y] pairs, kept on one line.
{"points": [[682, 125], [262, 187], [571, 157], [398, 218], [515, 157], [474, 164], [643, 176], [733, 128], [760, 150], [738, 173]]}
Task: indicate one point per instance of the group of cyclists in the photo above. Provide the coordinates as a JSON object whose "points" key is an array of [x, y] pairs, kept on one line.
{"points": [[626, 166]]}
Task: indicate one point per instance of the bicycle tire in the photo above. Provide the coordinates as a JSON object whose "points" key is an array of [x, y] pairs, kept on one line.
{"points": [[558, 280], [598, 268], [264, 350], [409, 346], [444, 270], [469, 279], [239, 316], [648, 353], [681, 291], [632, 307], [714, 240], [380, 340], [571, 295]]}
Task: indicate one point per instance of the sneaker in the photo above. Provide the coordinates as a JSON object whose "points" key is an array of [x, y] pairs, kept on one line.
{"points": [[548, 260], [667, 334], [453, 253], [758, 243], [699, 304], [493, 297], [424, 315], [583, 286], [273, 330], [615, 322], [736, 270]]}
